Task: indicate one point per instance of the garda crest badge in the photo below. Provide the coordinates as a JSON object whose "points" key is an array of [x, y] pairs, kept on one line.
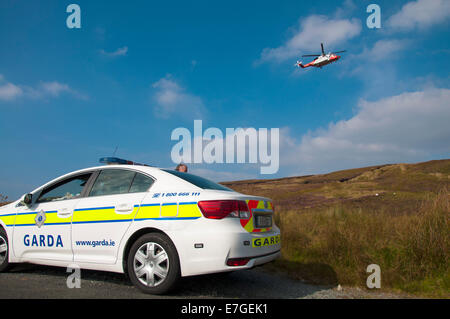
{"points": [[40, 218]]}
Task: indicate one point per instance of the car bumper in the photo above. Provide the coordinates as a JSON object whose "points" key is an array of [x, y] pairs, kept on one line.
{"points": [[261, 260], [219, 244]]}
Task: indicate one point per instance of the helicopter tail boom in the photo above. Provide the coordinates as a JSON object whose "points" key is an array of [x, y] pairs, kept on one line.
{"points": [[300, 64]]}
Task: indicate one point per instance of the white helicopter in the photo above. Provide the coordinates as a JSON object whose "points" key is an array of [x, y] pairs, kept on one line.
{"points": [[321, 59]]}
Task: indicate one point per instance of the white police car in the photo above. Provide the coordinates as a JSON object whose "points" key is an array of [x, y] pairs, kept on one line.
{"points": [[156, 225]]}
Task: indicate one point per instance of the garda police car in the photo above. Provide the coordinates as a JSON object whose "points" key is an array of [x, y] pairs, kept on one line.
{"points": [[153, 224]]}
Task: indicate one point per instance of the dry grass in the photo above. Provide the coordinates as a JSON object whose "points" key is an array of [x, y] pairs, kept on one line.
{"points": [[334, 225], [335, 245]]}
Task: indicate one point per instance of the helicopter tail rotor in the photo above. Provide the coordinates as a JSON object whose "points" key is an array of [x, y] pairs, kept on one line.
{"points": [[299, 64]]}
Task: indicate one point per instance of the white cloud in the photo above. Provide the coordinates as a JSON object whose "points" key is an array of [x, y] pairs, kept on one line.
{"points": [[170, 99], [420, 14], [9, 91], [312, 31], [383, 49], [54, 88], [346, 9], [408, 127], [119, 52]]}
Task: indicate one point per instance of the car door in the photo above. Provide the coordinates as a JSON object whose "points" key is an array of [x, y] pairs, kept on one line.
{"points": [[101, 218], [43, 229]]}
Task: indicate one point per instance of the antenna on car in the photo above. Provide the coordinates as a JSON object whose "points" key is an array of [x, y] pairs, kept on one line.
{"points": [[115, 150]]}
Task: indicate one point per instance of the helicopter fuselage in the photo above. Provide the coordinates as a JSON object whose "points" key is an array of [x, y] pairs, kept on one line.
{"points": [[321, 60]]}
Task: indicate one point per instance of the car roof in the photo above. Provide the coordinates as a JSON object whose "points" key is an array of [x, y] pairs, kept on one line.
{"points": [[157, 173]]}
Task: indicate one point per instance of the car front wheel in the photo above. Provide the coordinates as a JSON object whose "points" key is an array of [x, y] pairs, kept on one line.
{"points": [[153, 264], [4, 250]]}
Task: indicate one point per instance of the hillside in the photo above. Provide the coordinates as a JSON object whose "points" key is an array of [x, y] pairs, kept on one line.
{"points": [[401, 188], [334, 225]]}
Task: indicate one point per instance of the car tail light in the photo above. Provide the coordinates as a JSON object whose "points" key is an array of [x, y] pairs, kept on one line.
{"points": [[218, 209], [237, 261]]}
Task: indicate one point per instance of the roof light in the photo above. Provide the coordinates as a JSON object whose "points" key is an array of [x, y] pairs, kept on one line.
{"points": [[116, 160]]}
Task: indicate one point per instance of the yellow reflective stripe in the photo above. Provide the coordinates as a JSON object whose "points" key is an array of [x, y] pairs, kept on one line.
{"points": [[95, 214], [169, 210], [188, 210], [53, 218], [249, 226], [50, 218], [149, 211], [25, 219], [8, 220]]}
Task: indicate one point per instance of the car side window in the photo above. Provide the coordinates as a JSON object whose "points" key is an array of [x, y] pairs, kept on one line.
{"points": [[141, 183], [112, 181], [67, 189]]}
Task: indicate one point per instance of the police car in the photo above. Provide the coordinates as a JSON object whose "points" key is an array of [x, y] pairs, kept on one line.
{"points": [[156, 225]]}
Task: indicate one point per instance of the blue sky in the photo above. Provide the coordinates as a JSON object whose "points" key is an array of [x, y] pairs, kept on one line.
{"points": [[71, 96]]}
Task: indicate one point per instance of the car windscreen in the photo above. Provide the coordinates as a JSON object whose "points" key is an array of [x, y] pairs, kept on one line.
{"points": [[198, 181]]}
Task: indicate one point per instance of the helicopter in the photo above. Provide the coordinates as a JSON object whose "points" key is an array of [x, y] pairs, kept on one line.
{"points": [[321, 59]]}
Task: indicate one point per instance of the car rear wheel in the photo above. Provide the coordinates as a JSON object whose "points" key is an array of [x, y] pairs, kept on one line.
{"points": [[153, 264], [4, 250]]}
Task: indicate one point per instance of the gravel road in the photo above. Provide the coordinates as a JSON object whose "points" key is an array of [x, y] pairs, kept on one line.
{"points": [[32, 281]]}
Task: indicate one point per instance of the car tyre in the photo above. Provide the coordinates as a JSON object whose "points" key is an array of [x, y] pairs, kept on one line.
{"points": [[153, 264], [4, 251]]}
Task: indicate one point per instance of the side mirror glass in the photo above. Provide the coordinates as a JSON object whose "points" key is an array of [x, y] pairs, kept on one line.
{"points": [[28, 199]]}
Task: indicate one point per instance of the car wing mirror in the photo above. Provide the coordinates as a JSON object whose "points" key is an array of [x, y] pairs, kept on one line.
{"points": [[28, 199]]}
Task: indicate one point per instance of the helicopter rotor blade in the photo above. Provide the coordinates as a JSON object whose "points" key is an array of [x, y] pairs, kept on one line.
{"points": [[310, 55], [323, 51], [340, 51]]}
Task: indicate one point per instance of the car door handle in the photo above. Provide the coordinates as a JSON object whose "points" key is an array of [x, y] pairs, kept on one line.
{"points": [[124, 208], [64, 213]]}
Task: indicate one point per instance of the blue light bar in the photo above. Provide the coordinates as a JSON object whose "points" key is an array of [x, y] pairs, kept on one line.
{"points": [[116, 160]]}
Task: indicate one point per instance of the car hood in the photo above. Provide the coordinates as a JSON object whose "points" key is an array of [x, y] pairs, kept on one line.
{"points": [[7, 208]]}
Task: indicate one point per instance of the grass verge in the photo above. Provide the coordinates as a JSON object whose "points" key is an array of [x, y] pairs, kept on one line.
{"points": [[336, 244]]}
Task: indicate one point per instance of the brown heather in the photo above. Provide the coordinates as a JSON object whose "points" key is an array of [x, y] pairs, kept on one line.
{"points": [[338, 225]]}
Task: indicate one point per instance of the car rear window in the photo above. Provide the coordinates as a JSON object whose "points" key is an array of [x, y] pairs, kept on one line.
{"points": [[112, 182], [198, 181], [141, 183]]}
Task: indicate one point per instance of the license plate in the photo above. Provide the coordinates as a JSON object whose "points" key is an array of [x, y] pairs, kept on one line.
{"points": [[266, 241], [263, 221]]}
